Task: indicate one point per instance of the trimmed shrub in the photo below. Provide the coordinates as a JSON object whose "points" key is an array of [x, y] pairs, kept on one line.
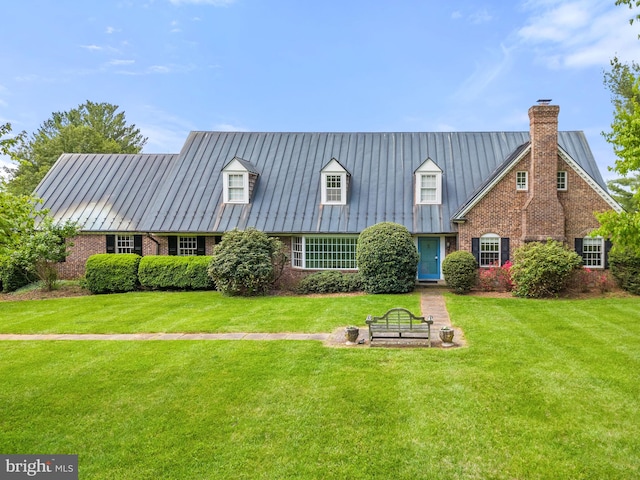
{"points": [[330, 282], [625, 268], [387, 259], [244, 262], [460, 271], [495, 279], [166, 272], [110, 273], [543, 269]]}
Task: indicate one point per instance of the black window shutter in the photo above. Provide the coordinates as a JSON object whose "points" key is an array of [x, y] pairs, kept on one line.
{"points": [[607, 249], [578, 247], [504, 250], [111, 244], [173, 245], [475, 249], [137, 244], [201, 245]]}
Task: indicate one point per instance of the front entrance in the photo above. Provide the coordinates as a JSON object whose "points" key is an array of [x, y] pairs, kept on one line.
{"points": [[429, 264]]}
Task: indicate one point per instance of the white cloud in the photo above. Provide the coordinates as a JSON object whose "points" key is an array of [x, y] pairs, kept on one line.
{"points": [[117, 62], [481, 16], [94, 48], [227, 127], [456, 15], [110, 30], [579, 33], [215, 3], [159, 69]]}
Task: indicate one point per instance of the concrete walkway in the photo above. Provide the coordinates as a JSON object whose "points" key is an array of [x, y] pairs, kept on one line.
{"points": [[432, 303]]}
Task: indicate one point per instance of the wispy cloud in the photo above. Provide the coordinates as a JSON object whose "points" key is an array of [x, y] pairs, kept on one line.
{"points": [[215, 3], [577, 34], [118, 62], [227, 127], [481, 16], [93, 48], [110, 30]]}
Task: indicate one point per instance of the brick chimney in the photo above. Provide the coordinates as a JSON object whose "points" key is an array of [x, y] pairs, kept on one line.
{"points": [[543, 215]]}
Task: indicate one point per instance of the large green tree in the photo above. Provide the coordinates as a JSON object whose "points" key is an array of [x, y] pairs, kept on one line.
{"points": [[89, 128], [623, 81]]}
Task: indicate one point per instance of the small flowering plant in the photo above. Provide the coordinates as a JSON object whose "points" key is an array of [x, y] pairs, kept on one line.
{"points": [[496, 278]]}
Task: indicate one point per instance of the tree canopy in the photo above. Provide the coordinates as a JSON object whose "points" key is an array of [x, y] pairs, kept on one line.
{"points": [[89, 128], [623, 81]]}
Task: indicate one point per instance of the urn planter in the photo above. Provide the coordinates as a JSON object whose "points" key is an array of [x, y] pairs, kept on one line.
{"points": [[351, 333], [446, 335]]}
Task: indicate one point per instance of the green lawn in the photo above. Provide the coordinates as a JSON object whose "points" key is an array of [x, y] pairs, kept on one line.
{"points": [[194, 312], [545, 389]]}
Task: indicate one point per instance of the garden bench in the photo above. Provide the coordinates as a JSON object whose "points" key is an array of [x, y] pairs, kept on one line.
{"points": [[399, 323]]}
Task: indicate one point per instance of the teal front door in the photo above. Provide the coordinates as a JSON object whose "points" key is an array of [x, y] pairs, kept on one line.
{"points": [[429, 265]]}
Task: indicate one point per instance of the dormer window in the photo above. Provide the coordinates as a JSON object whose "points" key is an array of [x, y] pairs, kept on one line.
{"points": [[335, 180], [239, 178], [428, 184]]}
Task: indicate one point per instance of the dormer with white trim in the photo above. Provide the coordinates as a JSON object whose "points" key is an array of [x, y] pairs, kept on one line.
{"points": [[239, 179], [334, 180], [428, 183]]}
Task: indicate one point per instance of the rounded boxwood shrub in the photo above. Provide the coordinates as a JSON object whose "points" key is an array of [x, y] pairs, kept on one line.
{"points": [[543, 269], [387, 259], [625, 268], [460, 271], [171, 272], [330, 282], [110, 273], [244, 262]]}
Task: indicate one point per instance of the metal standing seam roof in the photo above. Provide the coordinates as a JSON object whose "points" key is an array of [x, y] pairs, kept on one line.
{"points": [[183, 192]]}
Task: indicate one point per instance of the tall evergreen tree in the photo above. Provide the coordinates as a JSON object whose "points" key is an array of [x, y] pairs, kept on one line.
{"points": [[89, 128]]}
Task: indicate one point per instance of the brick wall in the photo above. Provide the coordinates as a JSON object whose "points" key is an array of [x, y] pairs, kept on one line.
{"points": [[500, 211], [86, 245]]}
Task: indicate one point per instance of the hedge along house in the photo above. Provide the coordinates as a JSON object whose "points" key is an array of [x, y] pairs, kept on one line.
{"points": [[485, 192]]}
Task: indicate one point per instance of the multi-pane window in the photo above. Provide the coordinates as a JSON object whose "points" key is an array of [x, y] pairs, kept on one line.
{"points": [[521, 181], [187, 246], [235, 187], [562, 180], [333, 187], [124, 243], [324, 252], [592, 249], [489, 250], [428, 188]]}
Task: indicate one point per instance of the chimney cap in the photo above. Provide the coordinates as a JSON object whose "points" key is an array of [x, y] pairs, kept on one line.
{"points": [[544, 101]]}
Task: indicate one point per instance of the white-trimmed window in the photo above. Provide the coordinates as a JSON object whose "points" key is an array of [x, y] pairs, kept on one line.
{"points": [[593, 252], [489, 250], [428, 181], [522, 181], [238, 180], [429, 188], [237, 187], [562, 180], [187, 246], [124, 243], [334, 180], [324, 253]]}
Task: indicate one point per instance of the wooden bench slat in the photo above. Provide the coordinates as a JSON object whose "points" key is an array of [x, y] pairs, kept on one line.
{"points": [[398, 321]]}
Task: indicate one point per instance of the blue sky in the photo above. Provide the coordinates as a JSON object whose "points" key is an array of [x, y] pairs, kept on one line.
{"points": [[334, 65]]}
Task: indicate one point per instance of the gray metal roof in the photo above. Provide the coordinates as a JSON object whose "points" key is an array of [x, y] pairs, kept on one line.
{"points": [[183, 193], [104, 192]]}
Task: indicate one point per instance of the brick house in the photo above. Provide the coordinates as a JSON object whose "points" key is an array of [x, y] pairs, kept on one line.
{"points": [[485, 192]]}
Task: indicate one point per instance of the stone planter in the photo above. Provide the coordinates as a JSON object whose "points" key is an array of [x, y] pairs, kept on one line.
{"points": [[446, 335], [351, 334]]}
